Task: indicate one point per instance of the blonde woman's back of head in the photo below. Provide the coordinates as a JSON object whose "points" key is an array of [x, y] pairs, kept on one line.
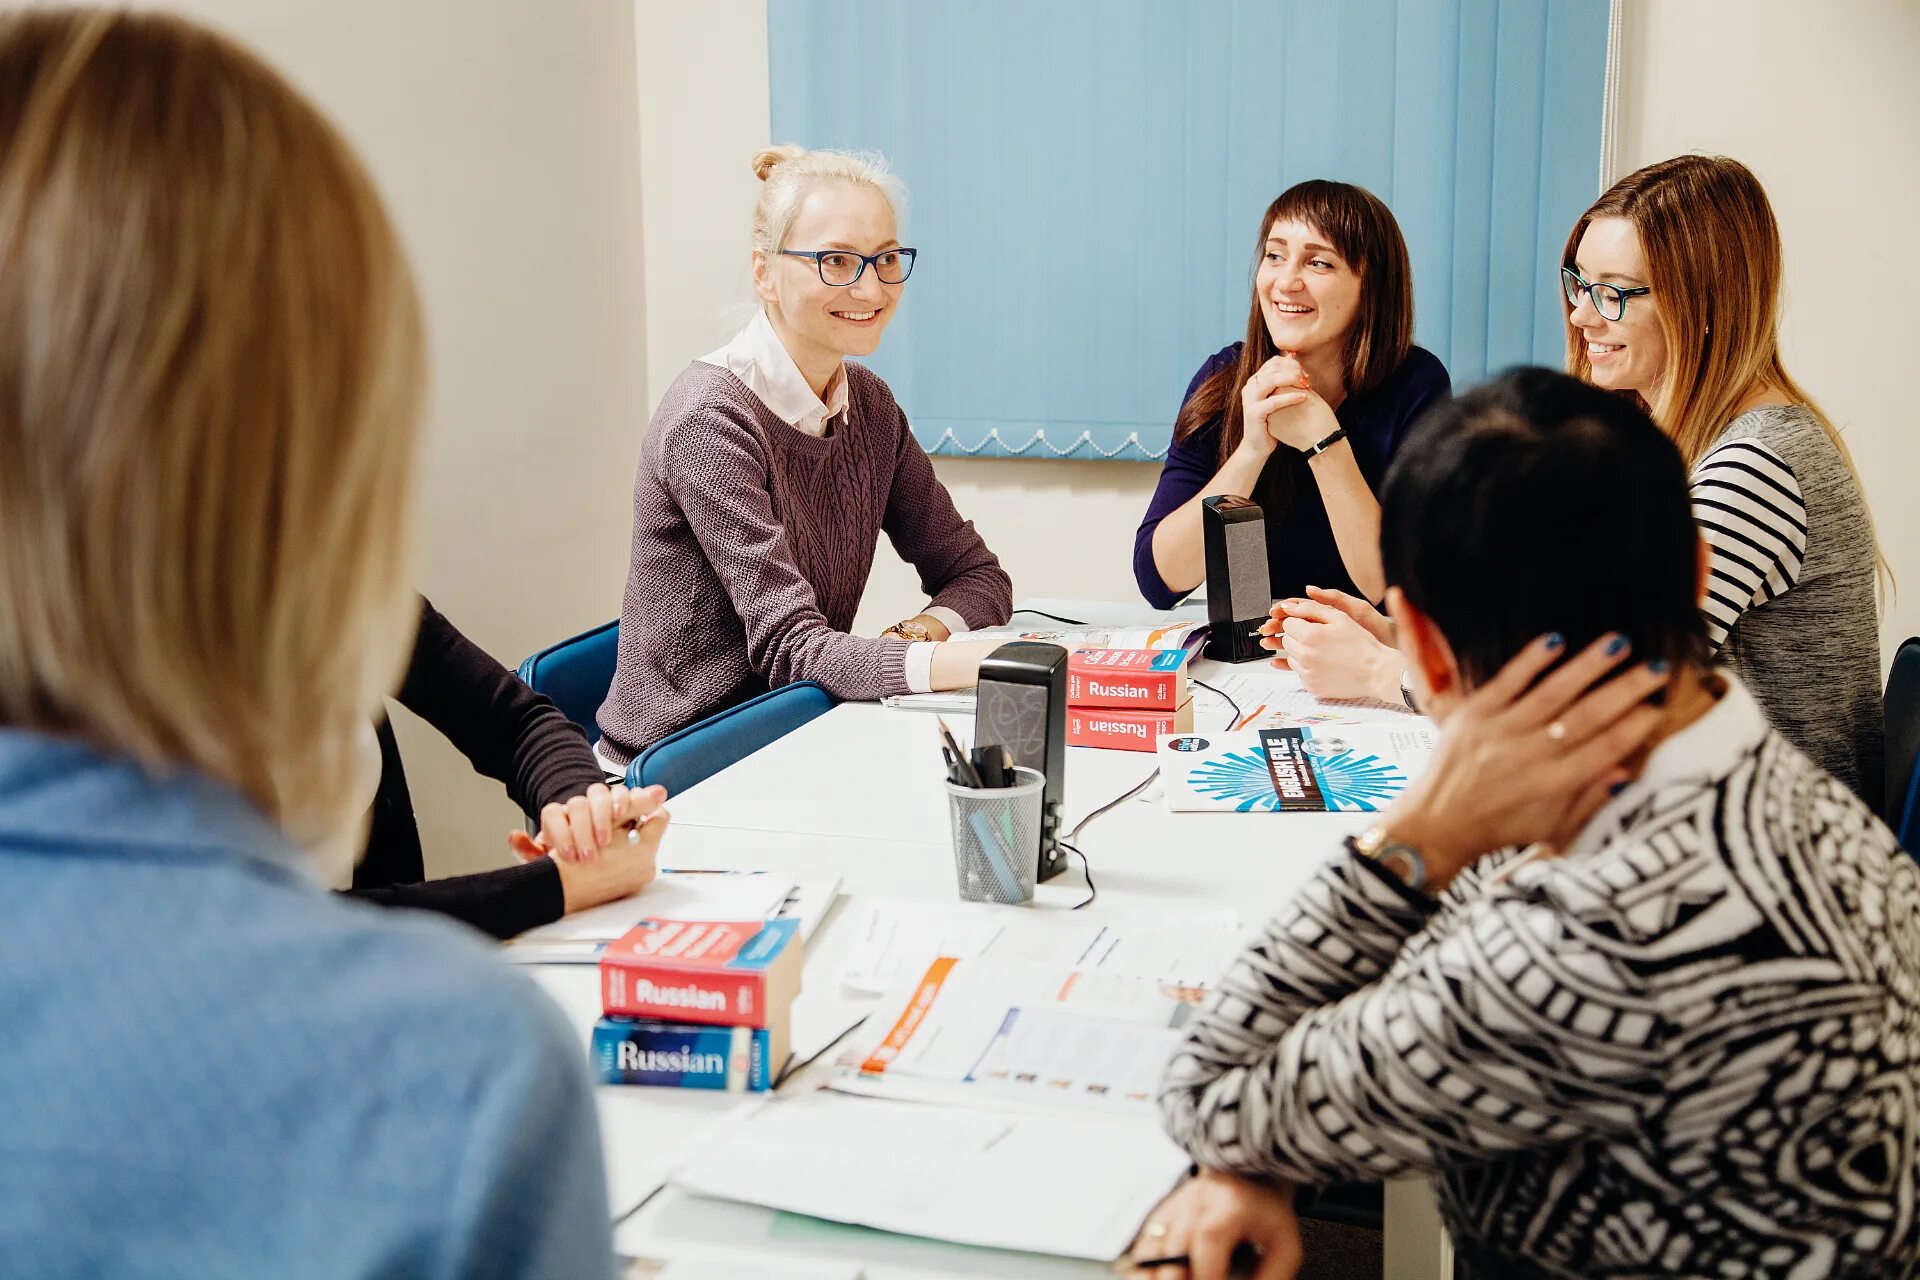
{"points": [[210, 384]]}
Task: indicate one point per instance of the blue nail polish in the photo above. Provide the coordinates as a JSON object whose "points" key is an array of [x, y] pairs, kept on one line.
{"points": [[1616, 646], [1658, 666], [1556, 641]]}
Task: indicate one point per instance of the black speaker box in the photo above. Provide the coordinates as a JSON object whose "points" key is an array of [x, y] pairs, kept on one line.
{"points": [[1023, 707]]}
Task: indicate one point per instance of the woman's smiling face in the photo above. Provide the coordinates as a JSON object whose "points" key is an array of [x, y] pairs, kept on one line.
{"points": [[1308, 294], [826, 321], [1628, 354]]}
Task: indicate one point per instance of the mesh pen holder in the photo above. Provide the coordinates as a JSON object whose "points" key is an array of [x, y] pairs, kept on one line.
{"points": [[996, 838]]}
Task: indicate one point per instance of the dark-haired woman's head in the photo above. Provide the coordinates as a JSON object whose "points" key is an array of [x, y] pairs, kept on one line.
{"points": [[1330, 272], [1537, 504]]}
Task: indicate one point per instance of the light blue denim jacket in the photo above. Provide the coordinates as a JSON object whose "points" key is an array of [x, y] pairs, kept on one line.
{"points": [[210, 1067]]}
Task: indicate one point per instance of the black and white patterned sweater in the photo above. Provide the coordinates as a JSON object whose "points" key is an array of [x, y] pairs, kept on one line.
{"points": [[1691, 1046]]}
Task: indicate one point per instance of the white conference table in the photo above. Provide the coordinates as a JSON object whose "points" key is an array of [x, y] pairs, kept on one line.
{"points": [[857, 793]]}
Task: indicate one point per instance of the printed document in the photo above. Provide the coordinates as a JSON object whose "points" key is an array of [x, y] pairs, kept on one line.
{"points": [[1070, 1186]]}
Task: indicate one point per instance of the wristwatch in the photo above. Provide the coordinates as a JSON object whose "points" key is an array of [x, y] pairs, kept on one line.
{"points": [[909, 630], [1403, 861]]}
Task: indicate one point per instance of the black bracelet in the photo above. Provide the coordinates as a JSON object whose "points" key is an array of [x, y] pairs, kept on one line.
{"points": [[1339, 434]]}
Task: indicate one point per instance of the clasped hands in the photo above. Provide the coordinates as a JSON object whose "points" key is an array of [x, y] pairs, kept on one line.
{"points": [[603, 843], [1279, 407]]}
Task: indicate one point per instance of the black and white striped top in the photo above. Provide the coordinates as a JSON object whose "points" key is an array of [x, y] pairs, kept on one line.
{"points": [[1690, 1046], [1790, 594]]}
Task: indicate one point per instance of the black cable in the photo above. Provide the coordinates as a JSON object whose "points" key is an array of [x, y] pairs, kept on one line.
{"points": [[795, 1064], [1223, 694], [1086, 869], [1073, 835], [1081, 825], [1042, 613]]}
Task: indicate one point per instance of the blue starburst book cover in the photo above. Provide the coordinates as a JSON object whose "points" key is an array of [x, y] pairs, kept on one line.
{"points": [[1347, 768]]}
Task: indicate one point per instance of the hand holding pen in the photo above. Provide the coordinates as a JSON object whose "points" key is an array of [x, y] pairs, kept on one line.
{"points": [[1218, 1226], [582, 828]]}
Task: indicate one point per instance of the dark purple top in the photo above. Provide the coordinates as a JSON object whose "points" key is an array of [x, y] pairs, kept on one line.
{"points": [[1301, 551]]}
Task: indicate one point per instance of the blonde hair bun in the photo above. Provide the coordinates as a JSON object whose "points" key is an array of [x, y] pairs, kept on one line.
{"points": [[767, 159], [790, 172]]}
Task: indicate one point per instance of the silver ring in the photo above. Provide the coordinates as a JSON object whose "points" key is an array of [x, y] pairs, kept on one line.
{"points": [[1556, 732]]}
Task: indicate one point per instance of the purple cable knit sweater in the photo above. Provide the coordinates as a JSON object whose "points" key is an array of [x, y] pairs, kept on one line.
{"points": [[752, 543]]}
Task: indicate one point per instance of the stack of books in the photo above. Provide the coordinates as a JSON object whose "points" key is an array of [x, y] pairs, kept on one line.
{"points": [[698, 1004], [1127, 699]]}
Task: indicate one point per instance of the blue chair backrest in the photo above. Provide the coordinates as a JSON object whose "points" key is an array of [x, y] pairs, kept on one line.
{"points": [[577, 673], [1903, 745], [703, 749]]}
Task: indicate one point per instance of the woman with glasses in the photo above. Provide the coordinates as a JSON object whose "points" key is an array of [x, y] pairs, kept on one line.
{"points": [[1672, 281], [770, 470], [1305, 413]]}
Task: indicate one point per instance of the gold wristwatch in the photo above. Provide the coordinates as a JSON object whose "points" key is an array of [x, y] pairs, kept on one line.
{"points": [[909, 630], [1402, 861]]}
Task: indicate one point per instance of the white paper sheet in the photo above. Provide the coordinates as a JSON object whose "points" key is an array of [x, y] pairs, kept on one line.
{"points": [[1073, 1187], [1268, 698], [1020, 1035], [808, 902], [894, 941]]}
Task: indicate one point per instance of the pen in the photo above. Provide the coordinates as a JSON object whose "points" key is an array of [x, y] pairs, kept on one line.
{"points": [[961, 763]]}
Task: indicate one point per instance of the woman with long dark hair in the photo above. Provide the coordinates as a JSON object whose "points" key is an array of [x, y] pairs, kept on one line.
{"points": [[1305, 413]]}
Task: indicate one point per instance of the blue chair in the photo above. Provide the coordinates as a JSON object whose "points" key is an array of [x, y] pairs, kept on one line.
{"points": [[1903, 745], [576, 674], [703, 749]]}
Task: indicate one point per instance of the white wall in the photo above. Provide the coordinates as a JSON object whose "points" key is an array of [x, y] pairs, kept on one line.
{"points": [[504, 139], [703, 113], [1820, 101]]}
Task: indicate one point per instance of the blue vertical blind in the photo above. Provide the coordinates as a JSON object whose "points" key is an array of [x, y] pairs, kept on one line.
{"points": [[1086, 179]]}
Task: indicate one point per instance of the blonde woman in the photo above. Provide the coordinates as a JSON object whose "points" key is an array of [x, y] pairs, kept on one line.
{"points": [[1672, 281], [210, 386], [769, 472]]}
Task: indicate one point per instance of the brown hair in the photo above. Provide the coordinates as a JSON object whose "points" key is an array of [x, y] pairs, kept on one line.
{"points": [[1715, 264], [1362, 230], [210, 386]]}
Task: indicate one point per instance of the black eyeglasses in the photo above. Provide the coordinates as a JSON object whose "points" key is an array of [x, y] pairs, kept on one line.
{"points": [[1609, 300], [841, 267]]}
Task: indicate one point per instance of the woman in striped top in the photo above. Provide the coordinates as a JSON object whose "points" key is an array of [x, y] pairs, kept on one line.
{"points": [[1672, 281]]}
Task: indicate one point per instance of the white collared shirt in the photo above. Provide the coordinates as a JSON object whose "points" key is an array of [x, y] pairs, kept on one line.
{"points": [[759, 359]]}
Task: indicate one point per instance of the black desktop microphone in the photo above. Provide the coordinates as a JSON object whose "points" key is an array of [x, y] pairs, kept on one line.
{"points": [[1239, 590], [1022, 706]]}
